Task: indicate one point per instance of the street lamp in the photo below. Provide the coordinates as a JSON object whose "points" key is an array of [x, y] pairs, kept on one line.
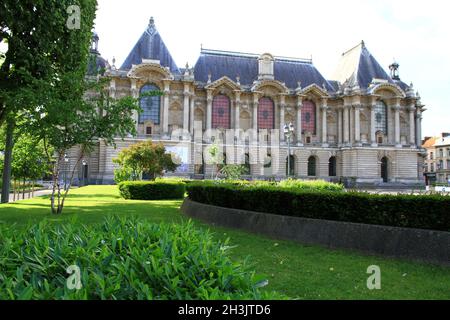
{"points": [[83, 174], [288, 132], [66, 162]]}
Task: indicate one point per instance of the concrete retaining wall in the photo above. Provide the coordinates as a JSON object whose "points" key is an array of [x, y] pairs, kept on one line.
{"points": [[414, 244]]}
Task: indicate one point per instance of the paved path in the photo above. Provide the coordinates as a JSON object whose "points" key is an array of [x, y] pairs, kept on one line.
{"points": [[28, 195]]}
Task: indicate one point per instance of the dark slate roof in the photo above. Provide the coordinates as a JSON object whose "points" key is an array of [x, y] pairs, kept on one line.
{"points": [[230, 64], [402, 85], [359, 67], [150, 46], [96, 63]]}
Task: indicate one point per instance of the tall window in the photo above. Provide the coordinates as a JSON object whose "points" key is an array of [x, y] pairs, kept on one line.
{"points": [[266, 114], [221, 111], [312, 166], [247, 164], [385, 169], [150, 105], [332, 167], [381, 117], [309, 117]]}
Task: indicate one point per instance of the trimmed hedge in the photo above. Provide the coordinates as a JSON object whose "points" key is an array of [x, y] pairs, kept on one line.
{"points": [[122, 259], [152, 190], [410, 211]]}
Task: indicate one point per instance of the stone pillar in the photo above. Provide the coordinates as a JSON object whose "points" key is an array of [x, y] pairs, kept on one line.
{"points": [[324, 123], [209, 110], [186, 107], [192, 116], [299, 121], [346, 124], [134, 94], [255, 112], [165, 117], [412, 126], [373, 138], [340, 126], [419, 127], [397, 124], [282, 123], [357, 124], [237, 112]]}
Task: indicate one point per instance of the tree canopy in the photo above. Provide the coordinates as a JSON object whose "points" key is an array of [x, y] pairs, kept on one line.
{"points": [[147, 158]]}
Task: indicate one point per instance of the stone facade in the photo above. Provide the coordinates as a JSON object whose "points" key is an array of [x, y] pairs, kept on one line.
{"points": [[437, 162], [362, 128]]}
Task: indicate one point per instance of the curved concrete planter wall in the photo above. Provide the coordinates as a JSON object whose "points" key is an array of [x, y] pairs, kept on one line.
{"points": [[415, 244]]}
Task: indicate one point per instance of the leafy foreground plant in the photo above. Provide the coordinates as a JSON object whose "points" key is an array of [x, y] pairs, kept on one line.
{"points": [[121, 259]]}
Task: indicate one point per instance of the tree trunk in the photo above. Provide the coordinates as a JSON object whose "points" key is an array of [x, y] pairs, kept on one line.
{"points": [[56, 185], [24, 187], [8, 160]]}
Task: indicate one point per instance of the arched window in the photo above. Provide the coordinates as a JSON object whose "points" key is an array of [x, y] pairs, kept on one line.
{"points": [[291, 166], [312, 167], [384, 169], [309, 117], [332, 167], [266, 114], [221, 112], [150, 105], [381, 117], [247, 164]]}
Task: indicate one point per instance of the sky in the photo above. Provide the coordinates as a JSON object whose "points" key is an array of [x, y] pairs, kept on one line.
{"points": [[414, 33]]}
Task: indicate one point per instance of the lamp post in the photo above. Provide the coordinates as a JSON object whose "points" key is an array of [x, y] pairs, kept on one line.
{"points": [[83, 174], [66, 162], [288, 132]]}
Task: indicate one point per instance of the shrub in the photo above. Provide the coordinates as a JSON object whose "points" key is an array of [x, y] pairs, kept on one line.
{"points": [[152, 190], [120, 259], [425, 212], [125, 174], [319, 185]]}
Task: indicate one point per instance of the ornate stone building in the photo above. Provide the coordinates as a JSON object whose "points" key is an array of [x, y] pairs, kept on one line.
{"points": [[362, 127]]}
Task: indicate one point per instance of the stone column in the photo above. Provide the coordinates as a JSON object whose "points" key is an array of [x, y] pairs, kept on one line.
{"points": [[397, 124], [346, 124], [324, 123], [357, 124], [299, 121], [340, 126], [282, 123], [373, 138], [134, 94], [186, 107], [209, 110], [192, 114], [255, 118], [237, 124], [165, 117], [419, 127], [412, 126], [255, 112]]}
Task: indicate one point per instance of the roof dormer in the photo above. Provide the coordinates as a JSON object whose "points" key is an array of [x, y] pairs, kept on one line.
{"points": [[265, 67]]}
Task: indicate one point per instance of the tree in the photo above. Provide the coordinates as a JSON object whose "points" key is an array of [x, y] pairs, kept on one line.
{"points": [[40, 46], [69, 119], [147, 158]]}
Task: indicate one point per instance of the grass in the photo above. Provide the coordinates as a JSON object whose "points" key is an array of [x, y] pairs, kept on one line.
{"points": [[305, 272]]}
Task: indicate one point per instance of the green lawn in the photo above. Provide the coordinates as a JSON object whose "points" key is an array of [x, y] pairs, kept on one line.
{"points": [[305, 272]]}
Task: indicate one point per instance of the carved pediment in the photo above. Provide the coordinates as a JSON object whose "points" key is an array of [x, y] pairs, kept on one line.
{"points": [[149, 71], [393, 88], [223, 83], [314, 89], [266, 85]]}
